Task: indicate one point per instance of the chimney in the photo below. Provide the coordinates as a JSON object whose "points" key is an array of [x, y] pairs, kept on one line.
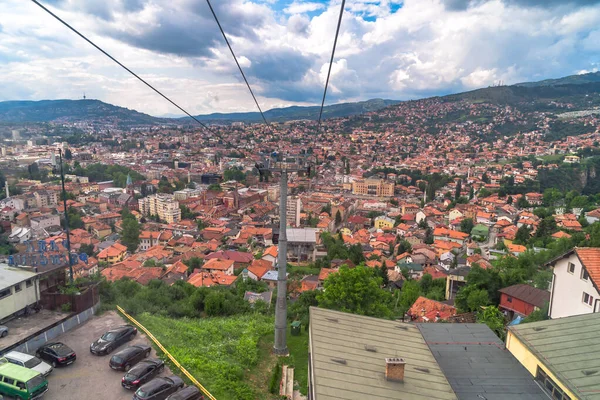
{"points": [[394, 369]]}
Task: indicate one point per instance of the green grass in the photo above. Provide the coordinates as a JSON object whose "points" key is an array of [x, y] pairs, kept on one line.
{"points": [[552, 157], [218, 352]]}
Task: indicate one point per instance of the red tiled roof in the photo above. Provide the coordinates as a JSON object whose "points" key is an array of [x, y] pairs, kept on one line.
{"points": [[590, 258], [426, 310]]}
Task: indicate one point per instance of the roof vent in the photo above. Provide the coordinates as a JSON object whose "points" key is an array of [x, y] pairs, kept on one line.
{"points": [[425, 370], [404, 328], [539, 328], [332, 319], [394, 369], [339, 361], [589, 372], [370, 348]]}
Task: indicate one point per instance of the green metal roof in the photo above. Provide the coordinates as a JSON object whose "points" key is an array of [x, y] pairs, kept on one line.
{"points": [[569, 348], [348, 352]]}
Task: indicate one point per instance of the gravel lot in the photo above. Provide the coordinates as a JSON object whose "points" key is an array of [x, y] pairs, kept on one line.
{"points": [[90, 377]]}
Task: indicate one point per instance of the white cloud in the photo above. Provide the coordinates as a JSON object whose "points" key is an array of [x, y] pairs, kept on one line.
{"points": [[303, 7]]}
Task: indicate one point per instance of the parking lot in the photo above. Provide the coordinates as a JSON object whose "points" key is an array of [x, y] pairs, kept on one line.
{"points": [[90, 377]]}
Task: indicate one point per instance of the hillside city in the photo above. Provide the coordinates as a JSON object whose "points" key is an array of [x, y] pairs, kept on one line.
{"points": [[412, 231]]}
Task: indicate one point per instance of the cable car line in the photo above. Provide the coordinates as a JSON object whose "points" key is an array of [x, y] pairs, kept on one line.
{"points": [[124, 67]]}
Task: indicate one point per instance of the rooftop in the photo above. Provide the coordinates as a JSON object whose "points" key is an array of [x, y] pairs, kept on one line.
{"points": [[568, 347], [348, 355], [305, 235], [476, 364], [10, 276]]}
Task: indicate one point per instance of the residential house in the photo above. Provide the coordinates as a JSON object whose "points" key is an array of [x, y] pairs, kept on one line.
{"points": [[575, 282], [427, 310], [561, 354], [240, 259], [522, 299], [215, 265], [113, 254], [356, 357], [383, 222]]}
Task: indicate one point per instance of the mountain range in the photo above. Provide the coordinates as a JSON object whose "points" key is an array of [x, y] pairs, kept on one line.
{"points": [[565, 88]]}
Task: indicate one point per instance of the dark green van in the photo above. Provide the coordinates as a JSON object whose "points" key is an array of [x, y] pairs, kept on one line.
{"points": [[20, 382]]}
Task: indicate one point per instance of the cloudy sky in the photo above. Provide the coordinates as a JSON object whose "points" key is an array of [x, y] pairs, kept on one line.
{"points": [[397, 49]]}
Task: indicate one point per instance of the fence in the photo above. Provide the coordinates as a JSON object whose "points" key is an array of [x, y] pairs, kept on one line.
{"points": [[34, 341], [173, 360], [79, 302]]}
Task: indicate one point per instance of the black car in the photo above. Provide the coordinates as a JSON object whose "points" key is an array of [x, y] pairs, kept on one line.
{"points": [[158, 388], [56, 354], [188, 393], [126, 358], [113, 339], [142, 372]]}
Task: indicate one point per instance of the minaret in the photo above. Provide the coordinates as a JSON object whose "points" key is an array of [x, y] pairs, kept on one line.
{"points": [[129, 186], [189, 177], [7, 191]]}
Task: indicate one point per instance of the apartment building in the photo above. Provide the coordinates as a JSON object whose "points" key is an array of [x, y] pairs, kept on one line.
{"points": [[373, 187], [46, 198], [294, 208], [161, 204]]}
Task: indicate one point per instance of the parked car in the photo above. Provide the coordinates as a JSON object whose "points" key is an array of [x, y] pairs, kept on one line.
{"points": [[113, 339], [188, 393], [128, 357], [3, 331], [142, 372], [158, 388], [56, 354], [28, 361]]}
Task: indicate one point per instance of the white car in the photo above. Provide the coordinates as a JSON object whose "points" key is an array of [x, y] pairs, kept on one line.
{"points": [[28, 361]]}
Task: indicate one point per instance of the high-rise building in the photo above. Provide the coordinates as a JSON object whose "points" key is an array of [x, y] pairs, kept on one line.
{"points": [[294, 207], [373, 187], [161, 204]]}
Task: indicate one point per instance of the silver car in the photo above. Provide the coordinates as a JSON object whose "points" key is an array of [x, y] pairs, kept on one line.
{"points": [[3, 331], [28, 361]]}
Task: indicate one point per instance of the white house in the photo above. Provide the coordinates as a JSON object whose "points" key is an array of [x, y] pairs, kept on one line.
{"points": [[454, 214], [19, 288], [420, 216], [575, 283], [593, 216]]}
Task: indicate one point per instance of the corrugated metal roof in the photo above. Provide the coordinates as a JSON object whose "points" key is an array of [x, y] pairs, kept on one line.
{"points": [[343, 368], [476, 364], [569, 348]]}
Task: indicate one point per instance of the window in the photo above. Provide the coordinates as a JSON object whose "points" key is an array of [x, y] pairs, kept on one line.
{"points": [[509, 299], [9, 381], [550, 386], [584, 274], [571, 268], [17, 287], [587, 299], [5, 293], [28, 283]]}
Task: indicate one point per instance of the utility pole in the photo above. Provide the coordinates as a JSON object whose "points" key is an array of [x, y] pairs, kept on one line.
{"points": [[280, 346], [283, 165], [64, 196]]}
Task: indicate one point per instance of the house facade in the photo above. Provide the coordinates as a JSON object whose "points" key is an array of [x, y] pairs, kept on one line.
{"points": [[576, 276]]}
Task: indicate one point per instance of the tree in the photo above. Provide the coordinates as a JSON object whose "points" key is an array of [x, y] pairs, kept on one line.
{"points": [[194, 263], [87, 249], [466, 225], [186, 213], [485, 178], [215, 187], [494, 319], [338, 218], [522, 236], [509, 200], [404, 247], [68, 154], [471, 193], [130, 236], [383, 273], [458, 190], [411, 290], [477, 298], [357, 291]]}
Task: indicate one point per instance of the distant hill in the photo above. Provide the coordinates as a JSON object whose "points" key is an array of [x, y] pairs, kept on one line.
{"points": [[98, 111], [302, 112], [575, 89], [581, 79], [70, 110]]}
